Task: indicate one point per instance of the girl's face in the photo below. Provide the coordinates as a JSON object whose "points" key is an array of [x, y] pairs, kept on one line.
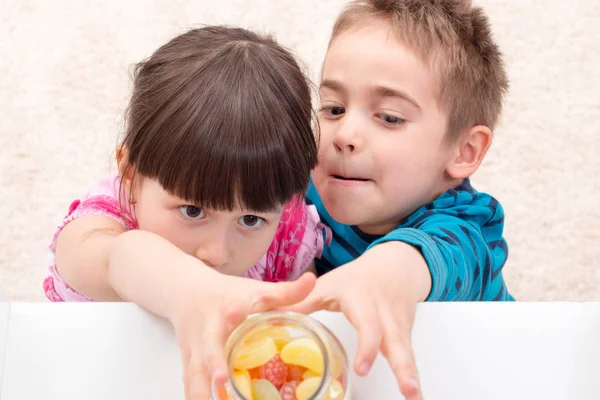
{"points": [[231, 242]]}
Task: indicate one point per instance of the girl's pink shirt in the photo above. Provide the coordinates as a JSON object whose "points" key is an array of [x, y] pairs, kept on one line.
{"points": [[299, 239]]}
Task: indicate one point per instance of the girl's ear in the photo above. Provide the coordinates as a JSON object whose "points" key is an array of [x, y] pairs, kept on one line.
{"points": [[125, 170], [126, 173]]}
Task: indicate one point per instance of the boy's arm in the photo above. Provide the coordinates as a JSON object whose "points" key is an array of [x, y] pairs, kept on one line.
{"points": [[446, 258], [378, 292], [465, 260]]}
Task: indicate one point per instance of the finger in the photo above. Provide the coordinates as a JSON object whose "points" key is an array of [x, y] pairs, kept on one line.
{"points": [[397, 348], [196, 379], [362, 312], [213, 350], [400, 357], [322, 297], [281, 294]]}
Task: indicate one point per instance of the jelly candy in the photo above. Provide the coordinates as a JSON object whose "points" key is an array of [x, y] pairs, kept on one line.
{"points": [[288, 391], [254, 373], [254, 354], [309, 374], [243, 383], [336, 370], [308, 387], [262, 389], [279, 334], [295, 373], [275, 371], [303, 352]]}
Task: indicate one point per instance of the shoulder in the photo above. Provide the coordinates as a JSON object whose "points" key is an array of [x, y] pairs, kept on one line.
{"points": [[100, 200], [462, 203]]}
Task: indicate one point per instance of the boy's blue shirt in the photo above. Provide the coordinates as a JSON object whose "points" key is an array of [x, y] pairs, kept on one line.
{"points": [[459, 234]]}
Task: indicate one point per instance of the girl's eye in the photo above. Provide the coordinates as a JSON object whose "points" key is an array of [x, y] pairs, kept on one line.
{"points": [[390, 120], [192, 212], [251, 221], [337, 111], [334, 111]]}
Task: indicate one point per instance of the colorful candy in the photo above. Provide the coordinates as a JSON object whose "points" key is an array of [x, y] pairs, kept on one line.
{"points": [[308, 386], [269, 364], [288, 391], [262, 389], [275, 371], [279, 334], [243, 382], [254, 354], [303, 352]]}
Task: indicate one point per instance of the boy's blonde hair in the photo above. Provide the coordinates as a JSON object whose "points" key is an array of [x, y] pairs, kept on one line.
{"points": [[454, 38]]}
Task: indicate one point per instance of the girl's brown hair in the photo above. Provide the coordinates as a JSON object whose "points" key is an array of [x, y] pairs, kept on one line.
{"points": [[221, 117]]}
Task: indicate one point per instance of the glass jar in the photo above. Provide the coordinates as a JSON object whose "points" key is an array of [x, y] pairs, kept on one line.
{"points": [[276, 354]]}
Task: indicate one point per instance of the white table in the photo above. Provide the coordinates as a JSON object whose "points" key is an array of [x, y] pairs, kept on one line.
{"points": [[465, 351]]}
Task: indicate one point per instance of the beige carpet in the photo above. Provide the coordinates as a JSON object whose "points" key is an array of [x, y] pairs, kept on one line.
{"points": [[64, 78]]}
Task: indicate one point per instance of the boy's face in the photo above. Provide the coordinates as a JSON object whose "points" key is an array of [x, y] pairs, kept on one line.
{"points": [[382, 151]]}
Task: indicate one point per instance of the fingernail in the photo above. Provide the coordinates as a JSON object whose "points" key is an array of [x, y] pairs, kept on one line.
{"points": [[413, 383], [217, 376], [363, 368]]}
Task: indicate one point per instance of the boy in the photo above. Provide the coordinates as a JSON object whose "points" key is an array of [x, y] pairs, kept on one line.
{"points": [[410, 91]]}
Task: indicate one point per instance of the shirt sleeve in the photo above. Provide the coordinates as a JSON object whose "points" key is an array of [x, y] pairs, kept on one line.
{"points": [[56, 288], [316, 236], [465, 260]]}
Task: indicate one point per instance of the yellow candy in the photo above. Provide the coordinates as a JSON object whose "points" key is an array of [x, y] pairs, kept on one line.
{"points": [[279, 334], [262, 389], [310, 374], [254, 354], [336, 368], [303, 352], [243, 382], [307, 388]]}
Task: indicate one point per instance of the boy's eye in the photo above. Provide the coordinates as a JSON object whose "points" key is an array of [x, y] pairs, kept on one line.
{"points": [[192, 212], [251, 221], [391, 120]]}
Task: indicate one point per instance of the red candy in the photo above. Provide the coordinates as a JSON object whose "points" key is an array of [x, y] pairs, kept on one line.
{"points": [[275, 371], [295, 373], [288, 391]]}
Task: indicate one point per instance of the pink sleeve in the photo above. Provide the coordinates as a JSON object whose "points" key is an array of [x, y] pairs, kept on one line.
{"points": [[298, 240], [312, 243], [55, 287]]}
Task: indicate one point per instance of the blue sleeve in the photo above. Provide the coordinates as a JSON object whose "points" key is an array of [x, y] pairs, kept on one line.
{"points": [[465, 260]]}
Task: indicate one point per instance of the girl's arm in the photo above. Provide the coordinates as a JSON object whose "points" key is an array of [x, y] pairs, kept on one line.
{"points": [[98, 258]]}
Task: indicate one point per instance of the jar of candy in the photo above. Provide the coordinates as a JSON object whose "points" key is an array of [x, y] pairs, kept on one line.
{"points": [[284, 356]]}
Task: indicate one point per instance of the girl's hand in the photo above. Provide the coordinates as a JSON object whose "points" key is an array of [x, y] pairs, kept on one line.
{"points": [[378, 293], [206, 309]]}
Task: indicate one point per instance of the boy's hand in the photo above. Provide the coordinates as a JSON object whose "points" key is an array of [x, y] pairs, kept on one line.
{"points": [[378, 293], [204, 314]]}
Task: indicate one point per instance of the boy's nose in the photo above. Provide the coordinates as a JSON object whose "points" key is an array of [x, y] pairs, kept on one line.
{"points": [[347, 137]]}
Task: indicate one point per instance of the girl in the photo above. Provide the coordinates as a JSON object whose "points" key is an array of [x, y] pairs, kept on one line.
{"points": [[211, 176]]}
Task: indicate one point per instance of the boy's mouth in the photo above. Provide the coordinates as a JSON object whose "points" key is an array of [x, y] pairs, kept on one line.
{"points": [[344, 178]]}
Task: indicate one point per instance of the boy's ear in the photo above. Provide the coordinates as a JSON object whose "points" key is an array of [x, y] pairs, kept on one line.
{"points": [[469, 152], [125, 170]]}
